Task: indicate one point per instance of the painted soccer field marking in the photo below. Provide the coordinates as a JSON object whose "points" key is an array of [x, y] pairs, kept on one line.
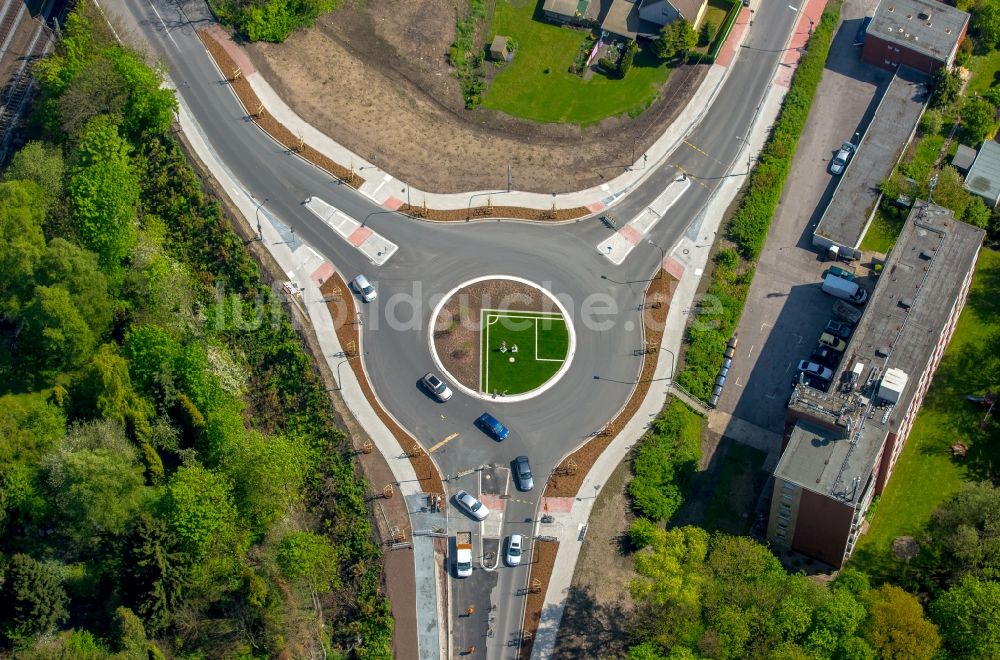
{"points": [[493, 316]]}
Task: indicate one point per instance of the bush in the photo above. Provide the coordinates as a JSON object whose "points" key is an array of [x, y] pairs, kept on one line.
{"points": [[665, 460], [707, 33], [641, 533], [607, 64], [625, 63], [931, 122]]}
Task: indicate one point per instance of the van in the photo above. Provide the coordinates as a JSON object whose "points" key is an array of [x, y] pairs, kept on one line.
{"points": [[838, 287]]}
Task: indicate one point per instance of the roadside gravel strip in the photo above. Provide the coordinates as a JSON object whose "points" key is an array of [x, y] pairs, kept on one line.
{"points": [[343, 312]]}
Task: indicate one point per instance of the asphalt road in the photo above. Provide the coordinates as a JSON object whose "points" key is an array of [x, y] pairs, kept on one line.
{"points": [[433, 258]]}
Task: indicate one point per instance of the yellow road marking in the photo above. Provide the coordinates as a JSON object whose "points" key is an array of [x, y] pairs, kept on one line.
{"points": [[442, 443], [690, 176], [703, 153]]}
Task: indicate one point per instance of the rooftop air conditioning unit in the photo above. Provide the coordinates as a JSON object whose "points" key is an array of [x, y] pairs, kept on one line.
{"points": [[893, 384]]}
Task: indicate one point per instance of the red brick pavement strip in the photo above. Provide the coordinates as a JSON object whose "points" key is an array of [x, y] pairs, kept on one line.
{"points": [[359, 236], [322, 274], [494, 502], [674, 267], [631, 234], [557, 504], [809, 15], [392, 203], [595, 207], [728, 52], [238, 55]]}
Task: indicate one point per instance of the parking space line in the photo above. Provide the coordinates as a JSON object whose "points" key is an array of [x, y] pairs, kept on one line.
{"points": [[442, 443]]}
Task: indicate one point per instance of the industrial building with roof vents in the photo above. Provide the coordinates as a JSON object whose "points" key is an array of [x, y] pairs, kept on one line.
{"points": [[983, 178], [923, 34], [840, 447]]}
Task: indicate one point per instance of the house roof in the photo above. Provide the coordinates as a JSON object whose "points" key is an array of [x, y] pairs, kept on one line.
{"points": [[925, 26], [623, 19], [983, 178], [688, 9], [566, 7], [964, 157]]}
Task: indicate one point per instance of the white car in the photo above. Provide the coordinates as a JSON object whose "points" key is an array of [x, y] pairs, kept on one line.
{"points": [[814, 369], [474, 507], [436, 387], [364, 288], [514, 550], [839, 162]]}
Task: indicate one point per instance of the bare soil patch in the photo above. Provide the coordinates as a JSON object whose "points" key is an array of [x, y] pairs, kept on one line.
{"points": [[457, 326], [543, 558], [567, 477], [342, 310], [375, 77], [598, 603]]}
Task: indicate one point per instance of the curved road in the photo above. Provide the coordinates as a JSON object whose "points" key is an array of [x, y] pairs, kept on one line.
{"points": [[433, 258]]}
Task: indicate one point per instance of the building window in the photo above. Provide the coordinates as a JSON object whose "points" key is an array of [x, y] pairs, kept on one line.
{"points": [[784, 515], [786, 497]]}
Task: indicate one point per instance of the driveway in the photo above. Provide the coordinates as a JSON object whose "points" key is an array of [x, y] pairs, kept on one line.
{"points": [[785, 309]]}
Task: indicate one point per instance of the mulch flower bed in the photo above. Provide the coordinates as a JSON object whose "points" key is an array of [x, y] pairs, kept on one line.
{"points": [[456, 328], [284, 137], [340, 303], [543, 559], [566, 479]]}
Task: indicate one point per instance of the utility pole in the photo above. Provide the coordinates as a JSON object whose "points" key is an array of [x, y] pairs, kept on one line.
{"points": [[510, 178]]}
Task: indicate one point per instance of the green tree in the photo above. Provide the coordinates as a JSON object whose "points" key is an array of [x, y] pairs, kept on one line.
{"points": [[151, 353], [150, 108], [978, 118], [199, 509], [104, 389], [977, 213], [96, 481], [76, 270], [707, 33], [986, 23], [29, 425], [963, 532], [835, 623], [129, 634], [42, 164], [897, 628], [946, 85], [22, 242], [967, 615], [33, 601], [155, 572], [104, 193], [675, 40], [931, 122], [54, 335], [309, 558], [268, 473]]}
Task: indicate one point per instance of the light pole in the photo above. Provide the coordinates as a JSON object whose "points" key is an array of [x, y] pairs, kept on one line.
{"points": [[260, 234], [663, 257], [673, 362], [340, 384]]}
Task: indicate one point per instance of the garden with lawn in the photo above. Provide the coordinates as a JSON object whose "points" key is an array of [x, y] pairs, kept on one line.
{"points": [[520, 350], [538, 85], [927, 472]]}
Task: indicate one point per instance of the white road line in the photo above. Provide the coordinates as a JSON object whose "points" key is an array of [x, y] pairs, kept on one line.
{"points": [[160, 18]]}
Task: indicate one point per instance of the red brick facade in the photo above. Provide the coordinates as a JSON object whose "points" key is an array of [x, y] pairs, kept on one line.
{"points": [[889, 55]]}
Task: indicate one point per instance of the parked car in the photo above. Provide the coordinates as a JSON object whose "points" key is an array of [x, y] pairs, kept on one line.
{"points": [[839, 162], [835, 343], [515, 546], [492, 426], [842, 273], [364, 288], [839, 328], [522, 472], [838, 287], [472, 506], [816, 383], [825, 356], [813, 369], [436, 387]]}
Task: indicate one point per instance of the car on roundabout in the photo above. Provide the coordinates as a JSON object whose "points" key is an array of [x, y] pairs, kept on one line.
{"points": [[436, 387], [364, 288], [471, 505], [492, 426]]}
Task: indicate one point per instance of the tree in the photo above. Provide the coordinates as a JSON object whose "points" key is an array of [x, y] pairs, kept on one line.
{"points": [[931, 122], [29, 425], [155, 572], [963, 534], [835, 623], [676, 39], [96, 481], [76, 270], [104, 390], [33, 601], [625, 63], [22, 242], [104, 192], [967, 615], [42, 164], [896, 625], [977, 213], [55, 335], [268, 473], [199, 509], [707, 33], [945, 87], [986, 23], [309, 558], [129, 634], [978, 118]]}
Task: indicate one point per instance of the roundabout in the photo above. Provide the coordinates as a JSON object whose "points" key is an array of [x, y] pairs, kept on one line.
{"points": [[502, 338]]}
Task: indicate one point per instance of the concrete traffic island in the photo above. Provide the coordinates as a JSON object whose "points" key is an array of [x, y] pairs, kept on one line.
{"points": [[501, 338]]}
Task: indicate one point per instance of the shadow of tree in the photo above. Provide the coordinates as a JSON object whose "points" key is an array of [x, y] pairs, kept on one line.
{"points": [[590, 629]]}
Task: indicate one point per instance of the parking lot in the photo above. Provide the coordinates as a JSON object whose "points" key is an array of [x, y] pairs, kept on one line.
{"points": [[785, 310]]}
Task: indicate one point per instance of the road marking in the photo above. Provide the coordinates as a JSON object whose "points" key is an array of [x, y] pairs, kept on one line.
{"points": [[703, 153], [165, 29], [443, 442], [750, 352]]}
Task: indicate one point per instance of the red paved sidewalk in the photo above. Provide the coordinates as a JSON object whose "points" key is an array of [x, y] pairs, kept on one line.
{"points": [[809, 16], [728, 51], [235, 52]]}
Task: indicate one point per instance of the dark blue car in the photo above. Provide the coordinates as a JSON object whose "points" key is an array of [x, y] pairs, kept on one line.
{"points": [[492, 426]]}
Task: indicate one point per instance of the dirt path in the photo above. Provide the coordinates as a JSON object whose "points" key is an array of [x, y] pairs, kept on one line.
{"points": [[374, 76]]}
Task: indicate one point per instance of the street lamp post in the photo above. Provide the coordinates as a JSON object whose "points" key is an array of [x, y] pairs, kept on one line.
{"points": [[673, 362], [340, 384], [260, 234], [663, 257]]}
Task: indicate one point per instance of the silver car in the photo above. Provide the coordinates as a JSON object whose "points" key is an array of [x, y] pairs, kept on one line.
{"points": [[839, 162], [474, 507], [436, 386], [515, 548], [364, 288], [814, 369]]}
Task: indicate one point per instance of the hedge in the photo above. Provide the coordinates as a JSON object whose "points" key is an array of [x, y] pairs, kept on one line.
{"points": [[748, 227]]}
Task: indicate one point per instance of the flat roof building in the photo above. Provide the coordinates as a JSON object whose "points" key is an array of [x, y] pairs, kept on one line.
{"points": [[840, 447], [922, 34], [983, 178], [852, 207]]}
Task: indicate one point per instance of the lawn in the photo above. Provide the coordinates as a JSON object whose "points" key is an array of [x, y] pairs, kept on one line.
{"points": [[927, 473], [541, 341], [985, 71], [736, 486], [537, 84], [883, 231]]}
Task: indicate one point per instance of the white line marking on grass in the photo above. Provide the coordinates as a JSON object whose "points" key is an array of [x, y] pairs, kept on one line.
{"points": [[540, 359]]}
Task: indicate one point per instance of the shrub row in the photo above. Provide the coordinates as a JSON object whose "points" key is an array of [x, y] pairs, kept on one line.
{"points": [[748, 228], [271, 20], [465, 57]]}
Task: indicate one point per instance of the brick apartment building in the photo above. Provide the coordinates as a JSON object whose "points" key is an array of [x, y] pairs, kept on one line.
{"points": [[840, 446], [922, 34]]}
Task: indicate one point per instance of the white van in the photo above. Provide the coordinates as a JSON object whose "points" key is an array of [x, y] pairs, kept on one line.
{"points": [[838, 287]]}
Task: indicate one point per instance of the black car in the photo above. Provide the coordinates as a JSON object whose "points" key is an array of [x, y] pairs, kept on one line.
{"points": [[825, 356], [522, 473], [809, 380]]}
